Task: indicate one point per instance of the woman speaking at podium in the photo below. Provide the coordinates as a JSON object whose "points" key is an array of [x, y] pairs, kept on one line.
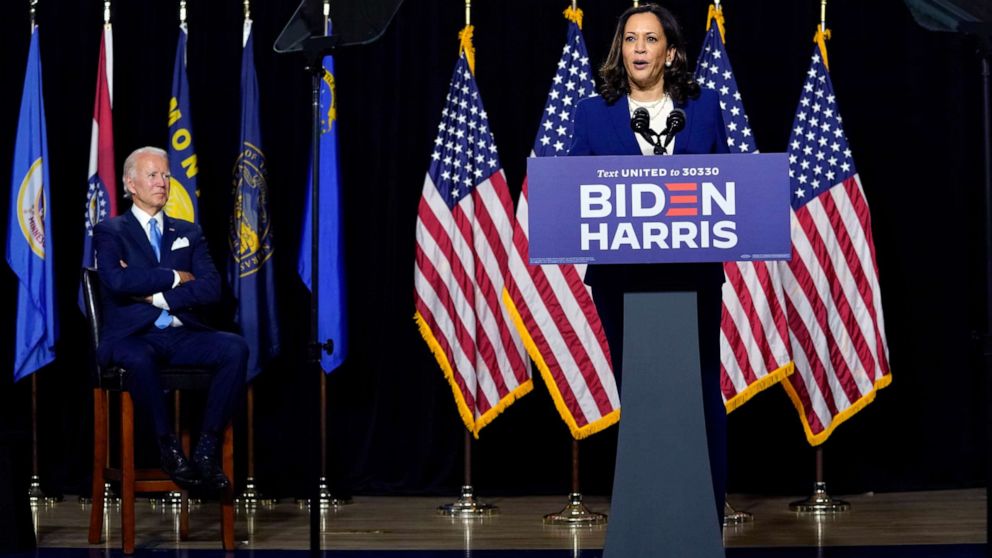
{"points": [[646, 83]]}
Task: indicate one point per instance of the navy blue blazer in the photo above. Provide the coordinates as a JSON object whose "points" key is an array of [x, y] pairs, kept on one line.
{"points": [[602, 129], [124, 310]]}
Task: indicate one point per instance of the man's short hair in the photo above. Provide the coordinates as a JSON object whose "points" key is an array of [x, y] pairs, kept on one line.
{"points": [[132, 160]]}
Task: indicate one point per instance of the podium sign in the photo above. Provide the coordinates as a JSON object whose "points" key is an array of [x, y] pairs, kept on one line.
{"points": [[659, 209]]}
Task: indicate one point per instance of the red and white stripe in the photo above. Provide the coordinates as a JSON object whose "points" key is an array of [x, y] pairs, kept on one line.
{"points": [[555, 313], [461, 262], [101, 159], [754, 334], [835, 312]]}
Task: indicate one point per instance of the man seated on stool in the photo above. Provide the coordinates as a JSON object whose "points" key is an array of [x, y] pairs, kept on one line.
{"points": [[155, 272]]}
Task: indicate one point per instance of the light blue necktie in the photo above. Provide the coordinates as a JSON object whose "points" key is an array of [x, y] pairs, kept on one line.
{"points": [[164, 319]]}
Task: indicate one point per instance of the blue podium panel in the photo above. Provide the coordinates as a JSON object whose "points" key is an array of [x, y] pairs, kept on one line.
{"points": [[662, 209], [663, 501]]}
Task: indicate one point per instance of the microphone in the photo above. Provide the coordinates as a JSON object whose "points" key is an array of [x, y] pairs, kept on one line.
{"points": [[674, 125], [641, 123]]}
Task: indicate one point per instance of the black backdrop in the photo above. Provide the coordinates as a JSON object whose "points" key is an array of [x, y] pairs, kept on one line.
{"points": [[911, 110]]}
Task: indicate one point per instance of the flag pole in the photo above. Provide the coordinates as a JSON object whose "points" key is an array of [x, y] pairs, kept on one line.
{"points": [[323, 499], [985, 53], [575, 513], [820, 502], [35, 494], [250, 497], [466, 506], [731, 515]]}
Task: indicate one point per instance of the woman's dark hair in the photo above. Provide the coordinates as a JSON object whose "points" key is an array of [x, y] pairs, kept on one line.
{"points": [[679, 83]]}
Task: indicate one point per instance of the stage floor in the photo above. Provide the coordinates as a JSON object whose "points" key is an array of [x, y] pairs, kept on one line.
{"points": [[939, 523]]}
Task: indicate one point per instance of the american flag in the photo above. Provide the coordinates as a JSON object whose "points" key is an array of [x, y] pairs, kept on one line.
{"points": [[754, 337], [831, 285], [101, 188], [464, 232], [551, 305]]}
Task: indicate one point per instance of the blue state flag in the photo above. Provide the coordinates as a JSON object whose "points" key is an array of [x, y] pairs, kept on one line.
{"points": [[29, 229], [182, 153], [251, 269], [332, 312]]}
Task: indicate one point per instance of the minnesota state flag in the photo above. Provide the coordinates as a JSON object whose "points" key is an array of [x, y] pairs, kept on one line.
{"points": [[29, 228]]}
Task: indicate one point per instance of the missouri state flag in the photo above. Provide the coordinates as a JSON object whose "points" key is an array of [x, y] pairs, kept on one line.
{"points": [[101, 188]]}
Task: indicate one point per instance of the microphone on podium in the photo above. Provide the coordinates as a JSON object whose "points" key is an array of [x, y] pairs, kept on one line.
{"points": [[674, 125], [640, 122]]}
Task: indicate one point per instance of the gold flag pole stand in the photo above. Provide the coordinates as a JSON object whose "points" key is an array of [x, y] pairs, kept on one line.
{"points": [[250, 498], [820, 502], [575, 513], [733, 517], [466, 506]]}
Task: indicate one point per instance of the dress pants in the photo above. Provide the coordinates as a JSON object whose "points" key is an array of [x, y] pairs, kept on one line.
{"points": [[145, 353]]}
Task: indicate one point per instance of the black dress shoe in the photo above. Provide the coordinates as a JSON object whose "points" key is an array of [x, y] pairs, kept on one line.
{"points": [[175, 464], [206, 463]]}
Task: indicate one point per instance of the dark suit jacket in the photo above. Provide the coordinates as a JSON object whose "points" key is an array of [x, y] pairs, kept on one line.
{"points": [[602, 129], [124, 312]]}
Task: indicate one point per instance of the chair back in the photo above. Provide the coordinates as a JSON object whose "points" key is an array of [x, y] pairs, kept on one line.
{"points": [[91, 304]]}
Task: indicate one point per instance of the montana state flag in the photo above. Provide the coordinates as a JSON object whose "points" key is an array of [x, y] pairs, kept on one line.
{"points": [[182, 155]]}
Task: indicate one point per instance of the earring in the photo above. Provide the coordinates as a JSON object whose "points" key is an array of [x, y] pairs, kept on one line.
{"points": [[668, 64]]}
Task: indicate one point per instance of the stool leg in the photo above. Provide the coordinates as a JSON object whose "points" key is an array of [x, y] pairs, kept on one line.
{"points": [[184, 516], [100, 435], [127, 473], [227, 496], [184, 441]]}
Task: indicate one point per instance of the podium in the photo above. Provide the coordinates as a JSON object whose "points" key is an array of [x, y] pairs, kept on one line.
{"points": [[648, 210], [663, 501]]}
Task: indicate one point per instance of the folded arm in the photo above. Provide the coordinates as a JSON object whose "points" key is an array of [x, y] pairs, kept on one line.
{"points": [[203, 286], [122, 279]]}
